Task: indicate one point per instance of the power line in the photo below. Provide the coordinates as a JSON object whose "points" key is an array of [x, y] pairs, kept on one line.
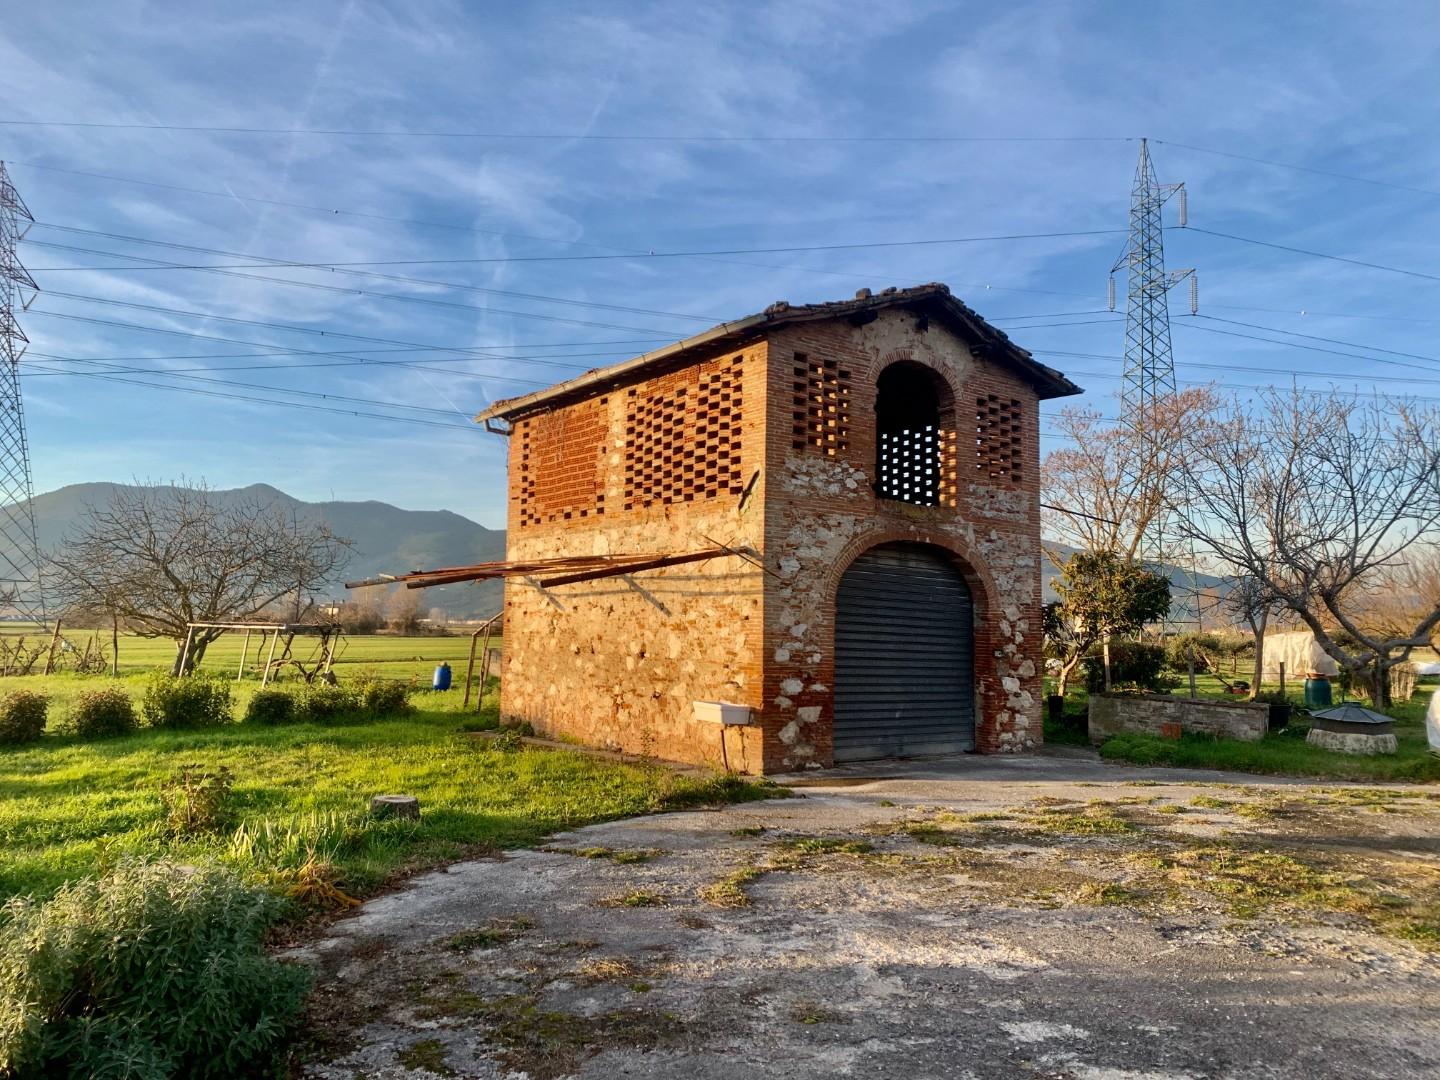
{"points": [[267, 261], [266, 401], [1307, 348], [532, 136], [1301, 168], [1316, 254], [869, 245], [234, 196], [1317, 337]]}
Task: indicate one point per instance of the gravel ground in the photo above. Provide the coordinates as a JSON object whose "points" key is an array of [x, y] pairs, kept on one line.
{"points": [[1038, 917]]}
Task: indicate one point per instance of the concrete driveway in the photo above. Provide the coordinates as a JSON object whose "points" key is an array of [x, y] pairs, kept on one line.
{"points": [[1045, 916]]}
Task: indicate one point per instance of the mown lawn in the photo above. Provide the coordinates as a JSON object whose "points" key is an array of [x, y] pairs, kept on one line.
{"points": [[70, 808], [391, 655], [1279, 753]]}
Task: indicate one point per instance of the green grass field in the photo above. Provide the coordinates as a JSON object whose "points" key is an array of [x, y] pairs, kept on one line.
{"points": [[1280, 754], [391, 656], [70, 808]]}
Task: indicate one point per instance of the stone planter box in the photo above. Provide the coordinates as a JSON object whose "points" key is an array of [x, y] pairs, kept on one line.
{"points": [[1160, 714]]}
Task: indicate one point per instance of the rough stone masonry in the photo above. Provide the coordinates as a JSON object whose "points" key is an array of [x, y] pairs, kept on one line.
{"points": [[761, 435]]}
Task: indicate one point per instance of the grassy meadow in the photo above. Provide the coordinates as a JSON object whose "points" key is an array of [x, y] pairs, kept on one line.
{"points": [[300, 793], [387, 655], [1284, 753]]}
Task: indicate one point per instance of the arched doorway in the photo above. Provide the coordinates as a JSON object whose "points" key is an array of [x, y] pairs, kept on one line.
{"points": [[904, 655]]}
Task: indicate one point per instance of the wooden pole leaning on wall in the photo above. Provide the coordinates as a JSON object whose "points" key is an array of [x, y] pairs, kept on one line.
{"points": [[470, 667], [185, 652], [244, 652], [274, 640], [54, 641]]}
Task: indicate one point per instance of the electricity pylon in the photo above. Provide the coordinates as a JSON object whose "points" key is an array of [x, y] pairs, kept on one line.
{"points": [[1149, 372], [21, 596]]}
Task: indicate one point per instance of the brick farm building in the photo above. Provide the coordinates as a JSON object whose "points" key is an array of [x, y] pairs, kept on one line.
{"points": [[865, 475]]}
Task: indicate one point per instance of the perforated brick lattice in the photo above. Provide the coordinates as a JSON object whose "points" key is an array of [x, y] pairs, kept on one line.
{"points": [[910, 465], [683, 436], [998, 452], [560, 455], [822, 406]]}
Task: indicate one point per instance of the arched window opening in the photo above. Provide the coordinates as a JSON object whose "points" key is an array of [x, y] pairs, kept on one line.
{"points": [[907, 436]]}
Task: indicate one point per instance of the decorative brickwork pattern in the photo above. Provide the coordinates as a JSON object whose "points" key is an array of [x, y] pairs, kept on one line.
{"points": [[683, 436], [999, 450], [822, 406], [559, 467], [909, 464]]}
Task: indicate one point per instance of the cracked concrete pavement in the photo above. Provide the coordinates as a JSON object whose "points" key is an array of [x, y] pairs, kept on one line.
{"points": [[1045, 916]]}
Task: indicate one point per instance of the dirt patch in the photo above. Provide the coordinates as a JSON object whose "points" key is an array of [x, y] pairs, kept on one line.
{"points": [[1021, 929]]}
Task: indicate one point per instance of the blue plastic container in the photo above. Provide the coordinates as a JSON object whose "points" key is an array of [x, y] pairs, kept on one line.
{"points": [[1317, 692], [441, 681]]}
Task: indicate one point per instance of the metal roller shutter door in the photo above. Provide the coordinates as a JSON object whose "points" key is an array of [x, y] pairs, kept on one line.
{"points": [[904, 656]]}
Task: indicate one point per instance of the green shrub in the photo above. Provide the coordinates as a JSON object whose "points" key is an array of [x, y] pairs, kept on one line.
{"points": [[271, 707], [1179, 647], [186, 701], [384, 697], [1134, 665], [324, 703], [98, 713], [198, 800], [153, 971], [22, 716]]}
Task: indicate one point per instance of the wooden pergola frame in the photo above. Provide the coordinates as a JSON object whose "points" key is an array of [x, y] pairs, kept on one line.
{"points": [[328, 632]]}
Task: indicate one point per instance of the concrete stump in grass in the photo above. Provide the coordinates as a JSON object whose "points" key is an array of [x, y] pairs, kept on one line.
{"points": [[395, 806]]}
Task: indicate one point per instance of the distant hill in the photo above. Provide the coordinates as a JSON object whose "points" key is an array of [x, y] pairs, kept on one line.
{"points": [[387, 539]]}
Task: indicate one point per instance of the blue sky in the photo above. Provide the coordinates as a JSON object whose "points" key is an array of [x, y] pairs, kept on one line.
{"points": [[1337, 87]]}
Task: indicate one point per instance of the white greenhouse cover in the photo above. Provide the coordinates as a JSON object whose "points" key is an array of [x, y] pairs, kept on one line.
{"points": [[1300, 654], [1432, 723]]}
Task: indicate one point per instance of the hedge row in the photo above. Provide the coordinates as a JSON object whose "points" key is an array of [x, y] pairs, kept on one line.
{"points": [[199, 702]]}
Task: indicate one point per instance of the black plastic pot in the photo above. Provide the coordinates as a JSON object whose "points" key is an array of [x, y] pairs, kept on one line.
{"points": [[1055, 708], [1279, 716]]}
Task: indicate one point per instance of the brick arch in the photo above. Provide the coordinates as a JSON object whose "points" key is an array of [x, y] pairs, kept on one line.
{"points": [[990, 694], [897, 356]]}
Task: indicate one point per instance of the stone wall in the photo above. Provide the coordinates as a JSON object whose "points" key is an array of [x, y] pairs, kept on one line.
{"points": [[663, 463], [1110, 714], [823, 512], [618, 662]]}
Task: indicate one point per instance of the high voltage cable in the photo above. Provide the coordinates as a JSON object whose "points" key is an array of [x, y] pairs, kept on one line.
{"points": [[267, 262], [1306, 348], [1317, 337], [533, 136], [1298, 168], [268, 401], [1005, 237], [332, 211], [1315, 254]]}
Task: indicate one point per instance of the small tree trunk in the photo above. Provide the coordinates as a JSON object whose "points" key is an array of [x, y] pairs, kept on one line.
{"points": [[1380, 695], [1259, 631], [114, 645], [1105, 660]]}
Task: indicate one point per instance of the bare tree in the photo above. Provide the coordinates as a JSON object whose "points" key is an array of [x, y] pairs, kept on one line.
{"points": [[1251, 601], [1110, 483], [1317, 497], [159, 557]]}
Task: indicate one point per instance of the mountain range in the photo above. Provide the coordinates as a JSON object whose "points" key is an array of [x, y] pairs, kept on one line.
{"points": [[389, 540]]}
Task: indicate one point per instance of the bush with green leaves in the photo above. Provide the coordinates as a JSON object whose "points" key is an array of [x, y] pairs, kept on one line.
{"points": [[272, 707], [186, 701], [199, 800], [325, 703], [1203, 646], [100, 713], [22, 716], [384, 697], [1134, 665], [153, 971]]}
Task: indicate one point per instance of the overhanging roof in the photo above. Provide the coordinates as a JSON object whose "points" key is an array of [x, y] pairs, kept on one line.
{"points": [[935, 298]]}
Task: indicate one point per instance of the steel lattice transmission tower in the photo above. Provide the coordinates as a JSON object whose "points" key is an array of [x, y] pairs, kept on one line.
{"points": [[20, 588], [1149, 364], [1149, 374]]}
